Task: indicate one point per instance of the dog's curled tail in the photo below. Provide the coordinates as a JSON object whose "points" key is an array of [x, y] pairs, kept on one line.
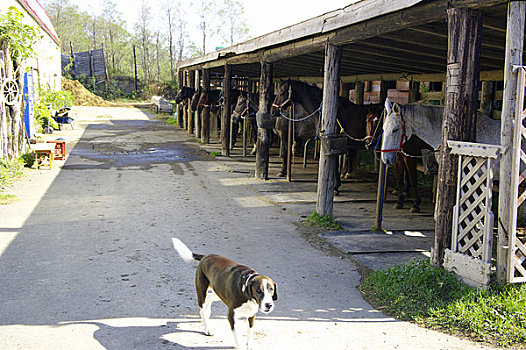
{"points": [[185, 252]]}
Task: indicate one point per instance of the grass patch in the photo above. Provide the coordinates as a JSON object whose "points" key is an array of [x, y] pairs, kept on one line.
{"points": [[7, 198], [324, 221], [215, 154], [435, 298], [172, 121], [10, 170]]}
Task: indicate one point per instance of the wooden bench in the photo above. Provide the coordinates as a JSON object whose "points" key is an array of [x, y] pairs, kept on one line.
{"points": [[44, 154]]}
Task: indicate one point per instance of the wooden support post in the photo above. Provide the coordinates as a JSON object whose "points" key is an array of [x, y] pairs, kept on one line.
{"points": [[205, 113], [227, 111], [414, 89], [380, 195], [189, 120], [196, 124], [487, 95], [181, 113], [514, 47], [359, 88], [346, 89], [460, 114], [383, 92], [265, 101], [329, 163]]}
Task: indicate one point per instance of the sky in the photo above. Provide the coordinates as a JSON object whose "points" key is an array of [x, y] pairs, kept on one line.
{"points": [[264, 16]]}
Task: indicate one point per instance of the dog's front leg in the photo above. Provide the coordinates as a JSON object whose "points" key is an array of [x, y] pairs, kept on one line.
{"points": [[249, 330], [235, 331]]}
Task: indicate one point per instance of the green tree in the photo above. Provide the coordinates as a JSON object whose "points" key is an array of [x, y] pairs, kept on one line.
{"points": [[19, 37], [234, 24]]}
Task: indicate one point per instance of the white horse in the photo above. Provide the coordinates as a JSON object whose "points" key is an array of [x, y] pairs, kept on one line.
{"points": [[426, 122]]}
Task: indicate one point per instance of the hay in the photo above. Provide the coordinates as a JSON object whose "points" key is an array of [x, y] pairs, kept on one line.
{"points": [[83, 97]]}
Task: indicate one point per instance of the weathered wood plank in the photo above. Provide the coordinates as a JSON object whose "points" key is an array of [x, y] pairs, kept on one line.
{"points": [[464, 46], [265, 101], [508, 170], [227, 111], [328, 163]]}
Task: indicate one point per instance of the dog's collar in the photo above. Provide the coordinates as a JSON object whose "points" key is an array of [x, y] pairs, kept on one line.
{"points": [[248, 278]]}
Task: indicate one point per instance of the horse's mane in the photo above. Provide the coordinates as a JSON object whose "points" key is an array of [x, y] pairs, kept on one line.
{"points": [[306, 88]]}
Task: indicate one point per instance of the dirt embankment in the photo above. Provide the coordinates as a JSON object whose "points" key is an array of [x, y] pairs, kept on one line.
{"points": [[83, 97]]}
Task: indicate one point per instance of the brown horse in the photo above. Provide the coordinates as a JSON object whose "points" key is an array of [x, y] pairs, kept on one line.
{"points": [[306, 101], [194, 101], [184, 94], [246, 108], [405, 165]]}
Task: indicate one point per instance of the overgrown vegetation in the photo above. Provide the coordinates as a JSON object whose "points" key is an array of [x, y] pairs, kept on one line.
{"points": [[9, 171], [20, 37], [324, 221], [433, 297], [54, 100]]}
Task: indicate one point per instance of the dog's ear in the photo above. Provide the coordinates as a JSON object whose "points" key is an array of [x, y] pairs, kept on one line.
{"points": [[275, 295], [247, 289]]}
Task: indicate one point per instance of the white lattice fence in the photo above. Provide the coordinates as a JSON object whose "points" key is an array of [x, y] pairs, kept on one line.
{"points": [[516, 266], [471, 241]]}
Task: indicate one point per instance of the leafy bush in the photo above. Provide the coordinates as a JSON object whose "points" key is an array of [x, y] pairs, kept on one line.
{"points": [[20, 37], [54, 99], [43, 117]]}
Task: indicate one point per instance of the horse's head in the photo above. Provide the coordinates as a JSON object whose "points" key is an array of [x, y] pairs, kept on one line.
{"points": [[203, 100], [394, 132], [242, 107], [283, 98], [184, 93], [195, 99]]}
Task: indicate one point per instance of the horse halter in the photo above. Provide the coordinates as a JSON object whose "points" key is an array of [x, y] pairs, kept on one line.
{"points": [[403, 138], [289, 99], [369, 139], [246, 110]]}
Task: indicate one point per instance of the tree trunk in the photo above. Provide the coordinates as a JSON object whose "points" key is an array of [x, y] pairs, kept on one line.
{"points": [[12, 133], [460, 114], [329, 163]]}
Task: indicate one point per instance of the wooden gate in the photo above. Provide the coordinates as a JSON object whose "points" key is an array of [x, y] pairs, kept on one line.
{"points": [[471, 241], [516, 265]]}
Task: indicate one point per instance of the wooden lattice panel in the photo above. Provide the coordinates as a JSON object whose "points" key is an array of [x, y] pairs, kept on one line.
{"points": [[472, 206], [516, 269], [471, 240]]}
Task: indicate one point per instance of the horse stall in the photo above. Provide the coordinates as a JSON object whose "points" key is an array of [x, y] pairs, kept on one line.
{"points": [[451, 54]]}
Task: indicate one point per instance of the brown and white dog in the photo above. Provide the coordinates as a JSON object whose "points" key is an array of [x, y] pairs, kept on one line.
{"points": [[242, 289]]}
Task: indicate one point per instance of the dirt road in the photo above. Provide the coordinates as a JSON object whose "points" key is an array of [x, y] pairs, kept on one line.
{"points": [[86, 260]]}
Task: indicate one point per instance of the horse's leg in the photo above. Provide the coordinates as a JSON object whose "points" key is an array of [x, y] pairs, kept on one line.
{"points": [[254, 132], [349, 156], [399, 167], [413, 180], [284, 154], [234, 131], [337, 180]]}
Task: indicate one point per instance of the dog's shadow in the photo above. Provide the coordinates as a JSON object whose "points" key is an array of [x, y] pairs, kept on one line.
{"points": [[147, 337]]}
